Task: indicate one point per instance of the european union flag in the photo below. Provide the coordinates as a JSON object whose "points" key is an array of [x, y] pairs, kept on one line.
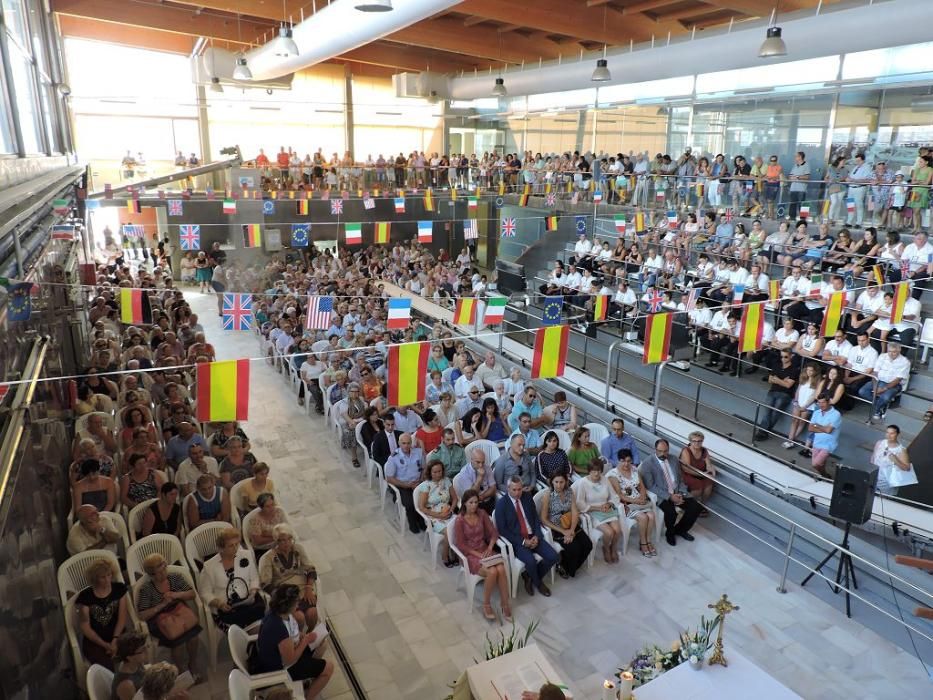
{"points": [[581, 224], [268, 207], [300, 235], [552, 307], [19, 304]]}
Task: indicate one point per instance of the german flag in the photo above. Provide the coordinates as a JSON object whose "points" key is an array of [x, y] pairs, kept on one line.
{"points": [[407, 365], [133, 206], [382, 231], [134, 307], [550, 223], [428, 199], [774, 290], [600, 307], [878, 272], [523, 200], [639, 222], [657, 338], [832, 316], [465, 313], [753, 325], [901, 292], [222, 390], [304, 207], [550, 356], [252, 236]]}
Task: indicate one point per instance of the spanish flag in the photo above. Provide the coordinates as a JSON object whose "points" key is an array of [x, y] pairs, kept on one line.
{"points": [[600, 307], [550, 356], [252, 236], [753, 324], [133, 206], [465, 314], [774, 290], [134, 306], [407, 365], [550, 223], [832, 316], [428, 199], [878, 274], [523, 200], [901, 292], [657, 338], [382, 231], [639, 222], [303, 207], [501, 188], [222, 390]]}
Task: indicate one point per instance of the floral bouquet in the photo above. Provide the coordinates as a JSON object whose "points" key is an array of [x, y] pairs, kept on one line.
{"points": [[695, 645], [651, 662]]}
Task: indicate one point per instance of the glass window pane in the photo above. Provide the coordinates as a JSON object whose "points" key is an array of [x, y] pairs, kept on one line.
{"points": [[52, 131], [14, 17], [26, 101], [37, 31], [899, 60], [809, 71], [651, 89], [6, 130]]}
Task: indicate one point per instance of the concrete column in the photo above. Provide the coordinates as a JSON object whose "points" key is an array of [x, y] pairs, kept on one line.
{"points": [[348, 108], [204, 136]]}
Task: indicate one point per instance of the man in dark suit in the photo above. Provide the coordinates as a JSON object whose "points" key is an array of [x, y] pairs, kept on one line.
{"points": [[386, 440], [517, 521], [663, 478]]}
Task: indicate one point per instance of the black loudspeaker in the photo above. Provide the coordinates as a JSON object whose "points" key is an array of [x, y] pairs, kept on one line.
{"points": [[853, 494]]}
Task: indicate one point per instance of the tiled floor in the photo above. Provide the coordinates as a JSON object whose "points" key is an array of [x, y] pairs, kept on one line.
{"points": [[408, 632]]}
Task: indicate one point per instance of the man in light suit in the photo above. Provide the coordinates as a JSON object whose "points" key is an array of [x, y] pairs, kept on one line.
{"points": [[517, 521], [664, 480]]}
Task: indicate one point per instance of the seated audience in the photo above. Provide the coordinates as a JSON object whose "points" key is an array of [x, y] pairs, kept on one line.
{"points": [[437, 499], [665, 481], [515, 461], [517, 521], [560, 514], [478, 476], [891, 372], [449, 453], [695, 466], [385, 443], [102, 613], [287, 563], [430, 434], [140, 483], [618, 440], [229, 584], [92, 488], [629, 489], [268, 515], [176, 449], [403, 470], [596, 499], [491, 426], [582, 452], [91, 531], [476, 537], [129, 665], [194, 467], [562, 414], [207, 503], [237, 465], [220, 437], [164, 516], [552, 460]]}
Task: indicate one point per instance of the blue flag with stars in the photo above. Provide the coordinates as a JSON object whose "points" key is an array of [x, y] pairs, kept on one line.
{"points": [[300, 235], [268, 206], [552, 308], [19, 304], [581, 224]]}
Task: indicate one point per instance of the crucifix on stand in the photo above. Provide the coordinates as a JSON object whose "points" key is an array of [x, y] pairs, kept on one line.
{"points": [[722, 607]]}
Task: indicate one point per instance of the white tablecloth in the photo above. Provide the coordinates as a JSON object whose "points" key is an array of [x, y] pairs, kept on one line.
{"points": [[740, 680]]}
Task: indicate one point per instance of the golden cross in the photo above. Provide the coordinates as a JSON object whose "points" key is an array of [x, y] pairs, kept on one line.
{"points": [[722, 607]]}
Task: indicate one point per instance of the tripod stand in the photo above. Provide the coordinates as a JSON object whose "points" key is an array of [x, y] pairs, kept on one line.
{"points": [[844, 571]]}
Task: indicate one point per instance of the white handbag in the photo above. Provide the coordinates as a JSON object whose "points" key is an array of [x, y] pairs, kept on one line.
{"points": [[900, 477]]}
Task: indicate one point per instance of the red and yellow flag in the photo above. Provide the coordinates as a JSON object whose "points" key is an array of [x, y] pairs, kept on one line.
{"points": [[134, 306], [657, 338], [550, 223], [407, 365], [901, 292], [382, 231], [550, 356], [465, 313], [752, 328], [428, 199], [832, 316], [252, 235], [774, 290], [223, 390], [600, 307], [878, 274]]}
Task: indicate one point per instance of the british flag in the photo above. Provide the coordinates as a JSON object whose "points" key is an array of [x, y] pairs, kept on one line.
{"points": [[551, 199], [237, 312], [319, 312], [175, 207], [905, 268], [654, 299], [508, 226], [190, 236], [336, 206]]}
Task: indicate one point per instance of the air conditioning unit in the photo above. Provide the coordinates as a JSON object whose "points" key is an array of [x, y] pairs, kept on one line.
{"points": [[408, 85]]}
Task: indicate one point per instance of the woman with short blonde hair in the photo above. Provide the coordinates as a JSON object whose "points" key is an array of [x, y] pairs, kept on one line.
{"points": [[102, 613]]}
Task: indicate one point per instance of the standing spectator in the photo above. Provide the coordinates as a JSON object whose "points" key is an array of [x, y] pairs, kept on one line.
{"points": [[893, 462], [799, 175], [825, 423], [781, 382], [858, 181]]}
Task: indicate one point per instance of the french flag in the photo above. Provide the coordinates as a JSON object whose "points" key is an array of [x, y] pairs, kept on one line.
{"points": [[398, 313]]}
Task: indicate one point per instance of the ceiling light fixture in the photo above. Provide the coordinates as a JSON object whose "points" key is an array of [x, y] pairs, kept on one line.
{"points": [[773, 46], [374, 5], [601, 73], [498, 89], [215, 85], [241, 71], [283, 46]]}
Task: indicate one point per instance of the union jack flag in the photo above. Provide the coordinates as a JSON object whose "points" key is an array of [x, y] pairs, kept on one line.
{"points": [[508, 227], [336, 206], [905, 268], [551, 199], [174, 207], [319, 312], [654, 300], [237, 312], [190, 236]]}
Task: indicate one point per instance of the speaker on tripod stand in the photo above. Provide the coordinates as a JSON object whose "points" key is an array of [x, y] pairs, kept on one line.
{"points": [[852, 501]]}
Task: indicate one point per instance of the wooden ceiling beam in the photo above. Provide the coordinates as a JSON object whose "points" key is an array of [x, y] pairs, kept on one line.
{"points": [[760, 8], [636, 7], [406, 58], [137, 37], [472, 21], [263, 9], [166, 18]]}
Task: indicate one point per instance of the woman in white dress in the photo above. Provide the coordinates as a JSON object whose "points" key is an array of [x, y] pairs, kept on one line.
{"points": [[596, 499], [892, 459], [808, 388], [626, 482]]}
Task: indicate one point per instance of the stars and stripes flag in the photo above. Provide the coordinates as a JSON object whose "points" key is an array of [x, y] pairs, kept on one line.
{"points": [[369, 203], [470, 229], [237, 312], [134, 231], [189, 235], [508, 226], [175, 207], [319, 312], [336, 206], [691, 301]]}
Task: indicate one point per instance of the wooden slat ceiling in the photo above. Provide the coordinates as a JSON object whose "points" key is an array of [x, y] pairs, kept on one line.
{"points": [[475, 34]]}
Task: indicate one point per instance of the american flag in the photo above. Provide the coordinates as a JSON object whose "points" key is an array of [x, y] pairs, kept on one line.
{"points": [[237, 312], [369, 203], [508, 226], [551, 199], [655, 300], [336, 206], [175, 207], [134, 231], [319, 311], [190, 236], [470, 231]]}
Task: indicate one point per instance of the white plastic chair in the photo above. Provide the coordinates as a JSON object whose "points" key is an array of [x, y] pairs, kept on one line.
{"points": [[99, 682], [470, 580], [234, 512], [72, 632], [433, 540], [489, 448], [564, 439], [168, 546], [598, 432], [399, 508], [926, 339], [238, 641], [237, 500], [515, 566], [201, 544], [72, 574], [364, 457], [134, 520]]}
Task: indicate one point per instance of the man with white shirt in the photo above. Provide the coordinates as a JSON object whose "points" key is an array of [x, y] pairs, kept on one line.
{"points": [[623, 301], [818, 306], [795, 290], [861, 363], [474, 399], [756, 285], [581, 250], [571, 281], [466, 380], [190, 470], [489, 371], [892, 370], [555, 282], [725, 343], [407, 420], [310, 372], [864, 312], [905, 332], [858, 179], [836, 351], [920, 254]]}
